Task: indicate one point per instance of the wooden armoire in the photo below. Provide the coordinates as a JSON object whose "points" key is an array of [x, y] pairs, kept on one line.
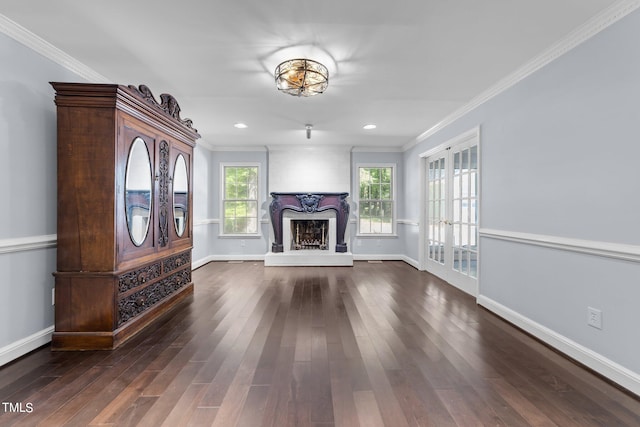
{"points": [[125, 197]]}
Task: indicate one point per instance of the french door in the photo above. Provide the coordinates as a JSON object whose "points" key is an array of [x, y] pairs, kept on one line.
{"points": [[451, 217]]}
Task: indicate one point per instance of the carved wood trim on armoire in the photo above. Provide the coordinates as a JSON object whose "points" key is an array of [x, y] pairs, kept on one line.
{"points": [[125, 197]]}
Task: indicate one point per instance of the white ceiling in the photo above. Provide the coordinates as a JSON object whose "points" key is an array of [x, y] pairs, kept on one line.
{"points": [[403, 65]]}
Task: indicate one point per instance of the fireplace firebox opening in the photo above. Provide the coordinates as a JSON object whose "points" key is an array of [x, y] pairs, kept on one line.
{"points": [[309, 234]]}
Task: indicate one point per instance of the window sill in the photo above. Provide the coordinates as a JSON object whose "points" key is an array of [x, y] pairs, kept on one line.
{"points": [[240, 236]]}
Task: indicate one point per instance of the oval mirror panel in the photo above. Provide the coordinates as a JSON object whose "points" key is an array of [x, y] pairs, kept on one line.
{"points": [[180, 195], [138, 191]]}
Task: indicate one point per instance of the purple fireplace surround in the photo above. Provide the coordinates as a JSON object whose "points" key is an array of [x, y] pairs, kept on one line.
{"points": [[309, 203]]}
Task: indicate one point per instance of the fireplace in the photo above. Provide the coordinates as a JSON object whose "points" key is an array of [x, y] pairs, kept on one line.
{"points": [[309, 229], [309, 234], [316, 233], [309, 204]]}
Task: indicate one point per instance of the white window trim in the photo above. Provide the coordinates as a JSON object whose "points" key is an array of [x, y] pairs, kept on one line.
{"points": [[394, 192], [221, 233]]}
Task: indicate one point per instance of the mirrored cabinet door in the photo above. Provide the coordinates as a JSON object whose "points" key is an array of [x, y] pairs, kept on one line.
{"points": [[180, 195], [138, 191], [138, 199]]}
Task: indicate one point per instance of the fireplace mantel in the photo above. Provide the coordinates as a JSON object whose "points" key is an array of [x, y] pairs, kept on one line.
{"points": [[309, 203]]}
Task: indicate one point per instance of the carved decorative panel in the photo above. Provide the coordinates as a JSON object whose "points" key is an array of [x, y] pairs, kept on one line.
{"points": [[134, 304], [138, 277], [163, 196], [177, 261], [168, 103], [309, 202]]}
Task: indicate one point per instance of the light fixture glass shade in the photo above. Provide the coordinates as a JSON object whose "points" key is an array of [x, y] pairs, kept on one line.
{"points": [[302, 77]]}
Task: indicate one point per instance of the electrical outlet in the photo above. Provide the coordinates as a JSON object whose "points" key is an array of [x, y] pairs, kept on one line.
{"points": [[594, 318], [53, 296], [242, 243]]}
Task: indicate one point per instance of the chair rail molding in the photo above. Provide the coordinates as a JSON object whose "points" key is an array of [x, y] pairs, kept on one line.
{"points": [[590, 247], [28, 243], [207, 221], [411, 222]]}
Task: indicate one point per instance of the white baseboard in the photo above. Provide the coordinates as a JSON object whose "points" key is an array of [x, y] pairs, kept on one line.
{"points": [[619, 374], [377, 257], [239, 257], [387, 257], [25, 345], [200, 262], [412, 262]]}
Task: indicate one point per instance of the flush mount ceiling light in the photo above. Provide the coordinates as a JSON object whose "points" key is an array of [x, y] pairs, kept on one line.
{"points": [[240, 126], [369, 126], [301, 77]]}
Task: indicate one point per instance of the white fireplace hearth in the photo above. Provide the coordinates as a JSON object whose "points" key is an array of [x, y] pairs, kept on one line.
{"points": [[307, 259]]}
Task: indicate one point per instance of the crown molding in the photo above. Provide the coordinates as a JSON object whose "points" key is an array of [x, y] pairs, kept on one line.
{"points": [[258, 148], [295, 147], [589, 29], [376, 149], [46, 49], [203, 143]]}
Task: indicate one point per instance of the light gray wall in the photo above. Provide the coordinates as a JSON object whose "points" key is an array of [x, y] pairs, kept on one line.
{"points": [[222, 248], [202, 204], [559, 158], [219, 247], [28, 174], [309, 169]]}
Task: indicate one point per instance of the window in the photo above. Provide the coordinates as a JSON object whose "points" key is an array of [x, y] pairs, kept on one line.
{"points": [[240, 199], [376, 206]]}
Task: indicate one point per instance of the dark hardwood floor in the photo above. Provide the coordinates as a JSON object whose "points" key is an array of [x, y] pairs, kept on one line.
{"points": [[373, 345]]}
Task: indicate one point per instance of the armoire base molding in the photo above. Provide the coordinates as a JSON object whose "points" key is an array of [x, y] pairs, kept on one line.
{"points": [[73, 341]]}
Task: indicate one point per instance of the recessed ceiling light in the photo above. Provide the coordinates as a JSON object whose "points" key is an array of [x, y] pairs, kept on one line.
{"points": [[369, 126], [240, 126]]}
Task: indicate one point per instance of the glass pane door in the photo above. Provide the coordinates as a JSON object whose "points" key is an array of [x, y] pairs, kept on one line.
{"points": [[465, 211], [437, 234], [452, 205]]}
